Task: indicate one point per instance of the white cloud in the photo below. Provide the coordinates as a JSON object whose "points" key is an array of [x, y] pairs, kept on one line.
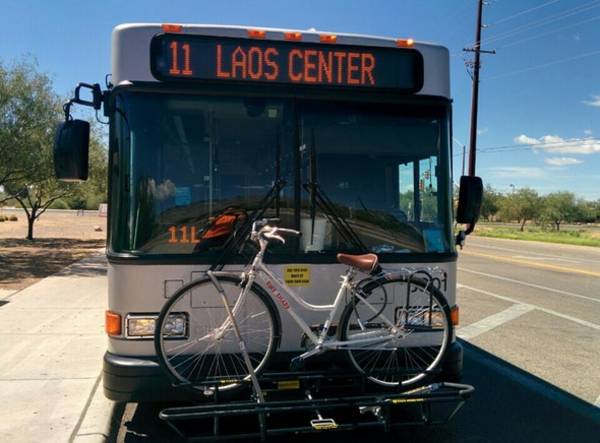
{"points": [[525, 140], [517, 172], [481, 131], [559, 145], [562, 161], [595, 101], [587, 131]]}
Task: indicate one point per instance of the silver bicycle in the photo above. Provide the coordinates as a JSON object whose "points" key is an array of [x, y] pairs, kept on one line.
{"points": [[394, 326]]}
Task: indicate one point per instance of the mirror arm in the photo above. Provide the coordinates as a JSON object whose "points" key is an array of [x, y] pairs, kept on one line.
{"points": [[470, 228], [460, 238], [98, 98]]}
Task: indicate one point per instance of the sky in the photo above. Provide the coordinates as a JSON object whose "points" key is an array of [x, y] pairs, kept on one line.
{"points": [[539, 111]]}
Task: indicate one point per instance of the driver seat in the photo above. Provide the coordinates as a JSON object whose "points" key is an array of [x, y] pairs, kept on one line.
{"points": [[367, 263]]}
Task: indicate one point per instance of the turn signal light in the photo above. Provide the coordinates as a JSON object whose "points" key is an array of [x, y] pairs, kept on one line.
{"points": [[454, 316], [292, 36], [112, 323], [257, 33], [328, 38], [405, 42], [170, 27]]}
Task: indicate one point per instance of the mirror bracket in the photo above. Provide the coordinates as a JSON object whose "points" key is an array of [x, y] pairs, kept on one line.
{"points": [[460, 238], [98, 98]]}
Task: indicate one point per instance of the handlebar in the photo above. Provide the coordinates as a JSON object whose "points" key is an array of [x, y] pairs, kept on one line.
{"points": [[291, 232], [261, 230]]}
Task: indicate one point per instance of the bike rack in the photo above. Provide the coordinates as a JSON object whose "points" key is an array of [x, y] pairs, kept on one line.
{"points": [[288, 402], [295, 403]]}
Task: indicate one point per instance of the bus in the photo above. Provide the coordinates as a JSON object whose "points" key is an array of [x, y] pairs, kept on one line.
{"points": [[344, 137]]}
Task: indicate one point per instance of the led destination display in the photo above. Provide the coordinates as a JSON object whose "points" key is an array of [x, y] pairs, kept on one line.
{"points": [[189, 57]]}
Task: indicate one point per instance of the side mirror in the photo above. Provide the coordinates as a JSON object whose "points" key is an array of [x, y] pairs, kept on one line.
{"points": [[470, 196], [71, 150]]}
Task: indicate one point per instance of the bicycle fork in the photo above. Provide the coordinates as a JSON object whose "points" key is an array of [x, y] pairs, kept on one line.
{"points": [[257, 389]]}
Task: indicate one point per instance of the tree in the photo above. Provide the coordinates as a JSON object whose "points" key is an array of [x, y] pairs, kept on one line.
{"points": [[588, 211], [491, 203], [559, 207], [36, 198], [29, 112], [522, 205]]}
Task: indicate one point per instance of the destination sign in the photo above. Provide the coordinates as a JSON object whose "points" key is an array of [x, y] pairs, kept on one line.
{"points": [[177, 57]]}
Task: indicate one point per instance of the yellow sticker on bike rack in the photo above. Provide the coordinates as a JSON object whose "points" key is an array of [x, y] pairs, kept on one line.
{"points": [[296, 275]]}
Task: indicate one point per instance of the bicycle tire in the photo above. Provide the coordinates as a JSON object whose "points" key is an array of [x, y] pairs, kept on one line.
{"points": [[397, 365], [206, 359]]}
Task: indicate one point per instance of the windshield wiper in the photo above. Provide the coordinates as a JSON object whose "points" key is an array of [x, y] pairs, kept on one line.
{"points": [[320, 199]]}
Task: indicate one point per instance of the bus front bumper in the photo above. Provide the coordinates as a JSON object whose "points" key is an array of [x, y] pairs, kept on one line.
{"points": [[140, 379]]}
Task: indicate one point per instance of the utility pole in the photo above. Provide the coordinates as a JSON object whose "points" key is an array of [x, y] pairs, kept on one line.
{"points": [[475, 95]]}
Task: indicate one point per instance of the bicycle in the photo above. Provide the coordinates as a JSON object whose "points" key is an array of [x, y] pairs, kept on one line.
{"points": [[208, 345]]}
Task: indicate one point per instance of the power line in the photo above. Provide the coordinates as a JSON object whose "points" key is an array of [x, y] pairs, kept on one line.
{"points": [[545, 65], [541, 144], [516, 42], [543, 22], [531, 146], [526, 11]]}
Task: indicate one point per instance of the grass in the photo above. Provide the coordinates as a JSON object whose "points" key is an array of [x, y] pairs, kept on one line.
{"points": [[570, 236]]}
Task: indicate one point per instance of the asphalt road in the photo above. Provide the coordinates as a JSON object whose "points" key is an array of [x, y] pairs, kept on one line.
{"points": [[536, 305], [509, 405], [530, 320]]}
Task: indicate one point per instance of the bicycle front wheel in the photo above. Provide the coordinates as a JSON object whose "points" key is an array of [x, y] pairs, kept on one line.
{"points": [[195, 340], [401, 331]]}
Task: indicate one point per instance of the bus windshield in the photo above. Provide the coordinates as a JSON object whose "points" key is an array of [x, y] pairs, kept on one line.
{"points": [[189, 170]]}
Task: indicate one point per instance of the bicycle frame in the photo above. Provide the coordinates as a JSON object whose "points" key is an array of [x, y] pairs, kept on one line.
{"points": [[321, 342]]}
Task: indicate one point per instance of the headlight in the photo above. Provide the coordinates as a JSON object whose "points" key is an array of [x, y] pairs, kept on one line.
{"points": [[143, 326]]}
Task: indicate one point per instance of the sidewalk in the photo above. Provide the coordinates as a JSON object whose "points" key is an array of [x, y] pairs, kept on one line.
{"points": [[51, 345]]}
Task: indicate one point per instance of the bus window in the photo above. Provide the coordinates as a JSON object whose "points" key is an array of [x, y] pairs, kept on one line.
{"points": [[197, 167], [420, 206], [378, 168]]}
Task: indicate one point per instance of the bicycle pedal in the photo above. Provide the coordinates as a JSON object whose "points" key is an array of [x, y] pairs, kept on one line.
{"points": [[323, 424], [296, 364]]}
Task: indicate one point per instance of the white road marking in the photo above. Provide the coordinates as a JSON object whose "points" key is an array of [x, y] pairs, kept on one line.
{"points": [[531, 285], [547, 311], [541, 257], [493, 321], [539, 254]]}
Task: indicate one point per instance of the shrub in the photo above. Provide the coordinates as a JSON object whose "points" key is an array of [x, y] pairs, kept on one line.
{"points": [[59, 204], [13, 218], [93, 202], [1, 218]]}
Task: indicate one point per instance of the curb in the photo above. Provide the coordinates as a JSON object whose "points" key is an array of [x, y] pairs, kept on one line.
{"points": [[100, 418]]}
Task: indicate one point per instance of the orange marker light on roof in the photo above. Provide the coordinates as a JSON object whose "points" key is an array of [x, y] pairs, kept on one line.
{"points": [[172, 28], [293, 36], [257, 33], [328, 38], [405, 42]]}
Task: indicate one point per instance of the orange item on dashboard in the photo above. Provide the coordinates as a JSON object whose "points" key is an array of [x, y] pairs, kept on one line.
{"points": [[223, 225]]}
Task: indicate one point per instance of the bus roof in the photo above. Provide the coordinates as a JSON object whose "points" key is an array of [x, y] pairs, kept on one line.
{"points": [[131, 50]]}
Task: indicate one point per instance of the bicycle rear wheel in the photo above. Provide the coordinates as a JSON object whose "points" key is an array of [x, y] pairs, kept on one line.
{"points": [[411, 322], [196, 343]]}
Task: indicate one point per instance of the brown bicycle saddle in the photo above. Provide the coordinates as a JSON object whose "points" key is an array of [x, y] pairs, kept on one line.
{"points": [[365, 262]]}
